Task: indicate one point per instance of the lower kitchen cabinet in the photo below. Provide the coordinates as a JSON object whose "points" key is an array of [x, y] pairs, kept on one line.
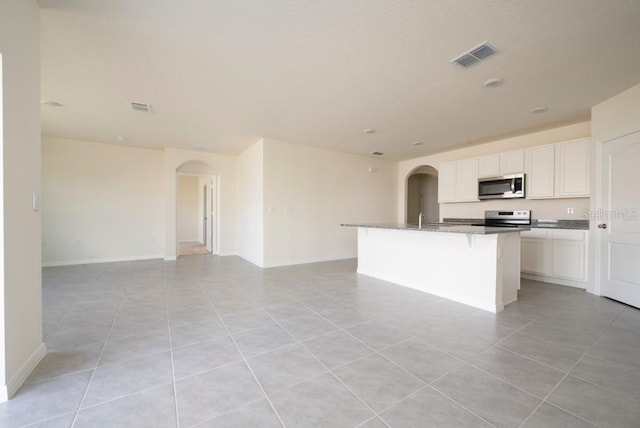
{"points": [[535, 253], [555, 255]]}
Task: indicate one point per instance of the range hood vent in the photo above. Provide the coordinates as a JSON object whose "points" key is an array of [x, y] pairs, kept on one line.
{"points": [[475, 55], [144, 107]]}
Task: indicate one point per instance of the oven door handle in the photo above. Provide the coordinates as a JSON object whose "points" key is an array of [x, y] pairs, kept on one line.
{"points": [[513, 185]]}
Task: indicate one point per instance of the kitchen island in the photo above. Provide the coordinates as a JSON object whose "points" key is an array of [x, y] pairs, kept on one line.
{"points": [[475, 265]]}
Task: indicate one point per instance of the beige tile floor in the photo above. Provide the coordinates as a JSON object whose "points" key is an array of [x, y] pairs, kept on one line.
{"points": [[191, 248], [217, 342]]}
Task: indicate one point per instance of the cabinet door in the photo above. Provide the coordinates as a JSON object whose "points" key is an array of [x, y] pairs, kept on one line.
{"points": [[467, 180], [540, 172], [533, 256], [569, 259], [489, 166], [512, 162], [572, 160], [447, 182]]}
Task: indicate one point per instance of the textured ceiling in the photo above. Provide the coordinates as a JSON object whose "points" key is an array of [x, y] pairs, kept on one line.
{"points": [[221, 74]]}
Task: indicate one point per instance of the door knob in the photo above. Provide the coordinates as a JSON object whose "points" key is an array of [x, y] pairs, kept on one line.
{"points": [[602, 226]]}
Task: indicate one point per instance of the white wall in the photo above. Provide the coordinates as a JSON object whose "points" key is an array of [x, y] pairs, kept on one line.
{"points": [[555, 209], [100, 202], [250, 204], [21, 318], [189, 209], [616, 117], [540, 208], [309, 192]]}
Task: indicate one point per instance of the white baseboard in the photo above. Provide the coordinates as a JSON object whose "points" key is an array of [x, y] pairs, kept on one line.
{"points": [[23, 373], [307, 261], [190, 241], [554, 280], [170, 258], [101, 260], [459, 298], [227, 253]]}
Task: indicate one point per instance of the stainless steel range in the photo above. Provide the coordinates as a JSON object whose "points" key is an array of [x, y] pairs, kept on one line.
{"points": [[506, 218]]}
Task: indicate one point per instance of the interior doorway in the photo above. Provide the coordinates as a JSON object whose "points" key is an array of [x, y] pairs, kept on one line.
{"points": [[422, 195], [196, 214]]}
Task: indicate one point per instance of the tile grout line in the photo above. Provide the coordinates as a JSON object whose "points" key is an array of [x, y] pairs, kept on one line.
{"points": [[468, 363], [57, 323], [373, 351], [95, 369], [328, 370], [567, 374], [427, 384], [445, 396], [376, 316], [173, 368], [244, 358], [430, 384]]}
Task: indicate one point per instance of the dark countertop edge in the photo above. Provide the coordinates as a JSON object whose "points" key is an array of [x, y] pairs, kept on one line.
{"points": [[444, 228], [535, 223]]}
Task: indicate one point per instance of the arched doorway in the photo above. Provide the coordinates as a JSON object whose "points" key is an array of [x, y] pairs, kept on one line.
{"points": [[422, 195]]}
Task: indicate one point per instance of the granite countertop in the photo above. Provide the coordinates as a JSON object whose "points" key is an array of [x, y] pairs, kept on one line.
{"points": [[535, 223], [444, 227]]}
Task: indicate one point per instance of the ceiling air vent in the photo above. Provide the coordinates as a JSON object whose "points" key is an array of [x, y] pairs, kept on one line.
{"points": [[141, 107], [475, 55]]}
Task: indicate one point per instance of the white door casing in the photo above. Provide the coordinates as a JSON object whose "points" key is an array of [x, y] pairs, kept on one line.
{"points": [[617, 219], [211, 217]]}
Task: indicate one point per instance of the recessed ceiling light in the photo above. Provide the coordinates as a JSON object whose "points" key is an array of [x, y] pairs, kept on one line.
{"points": [[51, 103], [121, 138], [416, 143], [369, 131], [493, 82], [541, 109], [377, 153]]}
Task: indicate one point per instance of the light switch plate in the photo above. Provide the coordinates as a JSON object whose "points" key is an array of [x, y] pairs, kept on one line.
{"points": [[35, 202]]}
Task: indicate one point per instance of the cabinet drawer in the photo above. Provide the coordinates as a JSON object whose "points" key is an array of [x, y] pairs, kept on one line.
{"points": [[568, 235], [535, 233]]}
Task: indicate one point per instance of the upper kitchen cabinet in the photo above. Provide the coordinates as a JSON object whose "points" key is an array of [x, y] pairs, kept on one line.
{"points": [[467, 180], [558, 170], [540, 172], [572, 168], [489, 166], [501, 164], [512, 162], [458, 181], [447, 182]]}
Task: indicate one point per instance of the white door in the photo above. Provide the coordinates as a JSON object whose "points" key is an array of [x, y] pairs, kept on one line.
{"points": [[211, 210], [205, 216], [618, 223]]}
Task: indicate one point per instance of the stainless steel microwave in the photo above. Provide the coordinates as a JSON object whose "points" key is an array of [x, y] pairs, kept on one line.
{"points": [[506, 186]]}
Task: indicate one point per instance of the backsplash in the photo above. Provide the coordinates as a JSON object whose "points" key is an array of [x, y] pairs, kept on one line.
{"points": [[541, 209]]}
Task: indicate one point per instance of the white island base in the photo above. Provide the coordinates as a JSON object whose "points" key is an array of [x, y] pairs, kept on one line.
{"points": [[480, 270]]}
